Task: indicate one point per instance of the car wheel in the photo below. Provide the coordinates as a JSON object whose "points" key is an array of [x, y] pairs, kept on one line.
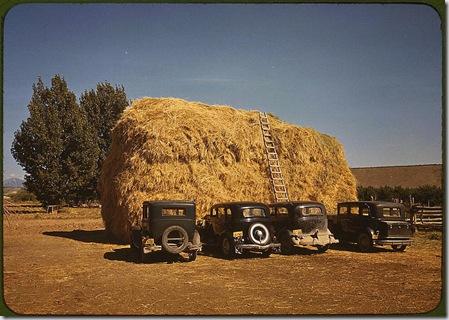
{"points": [[137, 245], [322, 249], [192, 255], [175, 239], [399, 247], [365, 242], [266, 254], [287, 247], [227, 248]]}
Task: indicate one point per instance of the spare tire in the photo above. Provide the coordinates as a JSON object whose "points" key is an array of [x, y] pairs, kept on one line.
{"points": [[258, 234], [175, 239]]}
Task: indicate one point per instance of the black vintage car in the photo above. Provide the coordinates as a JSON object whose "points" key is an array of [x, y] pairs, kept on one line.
{"points": [[236, 227], [369, 223], [168, 226], [301, 224]]}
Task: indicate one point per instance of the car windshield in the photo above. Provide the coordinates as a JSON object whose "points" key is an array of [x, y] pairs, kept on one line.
{"points": [[391, 213], [254, 212], [311, 211]]}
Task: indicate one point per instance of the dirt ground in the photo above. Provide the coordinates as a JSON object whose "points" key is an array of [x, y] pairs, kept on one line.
{"points": [[63, 264]]}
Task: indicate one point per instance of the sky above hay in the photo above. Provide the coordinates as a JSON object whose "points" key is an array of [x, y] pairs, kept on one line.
{"points": [[369, 75]]}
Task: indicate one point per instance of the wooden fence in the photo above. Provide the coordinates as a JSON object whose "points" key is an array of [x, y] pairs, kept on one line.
{"points": [[427, 217]]}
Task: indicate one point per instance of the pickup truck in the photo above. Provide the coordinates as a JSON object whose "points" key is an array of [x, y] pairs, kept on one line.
{"points": [[369, 223]]}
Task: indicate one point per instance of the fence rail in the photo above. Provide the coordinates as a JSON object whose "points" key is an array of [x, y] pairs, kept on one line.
{"points": [[427, 217]]}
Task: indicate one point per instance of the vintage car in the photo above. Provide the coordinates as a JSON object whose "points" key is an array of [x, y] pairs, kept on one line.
{"points": [[370, 223], [167, 226], [301, 224], [238, 227]]}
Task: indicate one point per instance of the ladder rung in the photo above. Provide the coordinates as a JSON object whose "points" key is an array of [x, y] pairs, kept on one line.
{"points": [[266, 133], [265, 126], [276, 172]]}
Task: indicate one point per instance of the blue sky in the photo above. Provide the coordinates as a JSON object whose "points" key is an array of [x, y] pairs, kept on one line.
{"points": [[369, 75]]}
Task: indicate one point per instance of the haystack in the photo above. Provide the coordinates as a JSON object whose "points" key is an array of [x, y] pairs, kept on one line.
{"points": [[168, 148]]}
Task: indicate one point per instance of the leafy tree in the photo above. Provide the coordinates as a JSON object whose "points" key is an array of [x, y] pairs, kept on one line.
{"points": [[56, 146], [103, 108]]}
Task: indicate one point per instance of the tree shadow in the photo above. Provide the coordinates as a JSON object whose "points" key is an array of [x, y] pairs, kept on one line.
{"points": [[128, 255], [96, 236], [352, 247]]}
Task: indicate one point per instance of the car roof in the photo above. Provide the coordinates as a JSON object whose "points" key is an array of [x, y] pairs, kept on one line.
{"points": [[241, 203], [295, 203], [165, 202], [374, 203]]}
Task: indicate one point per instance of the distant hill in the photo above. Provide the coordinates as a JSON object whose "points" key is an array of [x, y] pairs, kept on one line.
{"points": [[405, 176], [13, 183]]}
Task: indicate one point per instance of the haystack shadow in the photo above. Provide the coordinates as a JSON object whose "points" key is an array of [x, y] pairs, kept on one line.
{"points": [[96, 236]]}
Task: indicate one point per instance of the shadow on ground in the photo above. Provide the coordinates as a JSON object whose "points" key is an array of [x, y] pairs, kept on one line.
{"points": [[97, 236], [128, 255]]}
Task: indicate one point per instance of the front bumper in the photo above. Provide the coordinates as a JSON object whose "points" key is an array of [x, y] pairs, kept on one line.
{"points": [[387, 241], [314, 240], [239, 247]]}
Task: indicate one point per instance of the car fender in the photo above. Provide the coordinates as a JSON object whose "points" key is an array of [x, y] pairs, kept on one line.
{"points": [[371, 232]]}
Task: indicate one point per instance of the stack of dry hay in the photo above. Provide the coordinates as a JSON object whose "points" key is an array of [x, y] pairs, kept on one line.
{"points": [[168, 148]]}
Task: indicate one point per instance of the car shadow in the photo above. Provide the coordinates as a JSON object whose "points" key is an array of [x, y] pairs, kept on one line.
{"points": [[96, 236], [354, 248], [215, 253], [128, 255]]}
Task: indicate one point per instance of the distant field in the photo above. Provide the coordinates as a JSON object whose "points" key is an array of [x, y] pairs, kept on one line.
{"points": [[405, 176]]}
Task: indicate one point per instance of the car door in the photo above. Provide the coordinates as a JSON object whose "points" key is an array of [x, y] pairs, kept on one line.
{"points": [[219, 221], [350, 221]]}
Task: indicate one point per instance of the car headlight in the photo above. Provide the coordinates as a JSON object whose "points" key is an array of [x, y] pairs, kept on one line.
{"points": [[237, 234]]}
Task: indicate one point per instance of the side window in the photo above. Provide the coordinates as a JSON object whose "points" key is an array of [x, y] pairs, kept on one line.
{"points": [[354, 210], [272, 211], [281, 211], [146, 211], [343, 210], [228, 213], [364, 211], [213, 212], [221, 212]]}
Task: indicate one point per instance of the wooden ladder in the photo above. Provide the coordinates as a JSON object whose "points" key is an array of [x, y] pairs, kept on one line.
{"points": [[277, 179]]}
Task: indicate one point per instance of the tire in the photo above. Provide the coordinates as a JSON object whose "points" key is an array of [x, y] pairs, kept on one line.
{"points": [[266, 254], [192, 255], [364, 242], [399, 247], [137, 246], [322, 249], [227, 248], [287, 248], [259, 234], [175, 239]]}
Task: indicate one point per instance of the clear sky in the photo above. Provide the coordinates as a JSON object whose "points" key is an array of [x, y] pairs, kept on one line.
{"points": [[367, 74]]}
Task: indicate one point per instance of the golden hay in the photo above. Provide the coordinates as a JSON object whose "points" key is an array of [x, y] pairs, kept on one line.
{"points": [[168, 148]]}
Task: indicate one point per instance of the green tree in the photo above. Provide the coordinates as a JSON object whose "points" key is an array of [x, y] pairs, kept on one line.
{"points": [[56, 146], [103, 108]]}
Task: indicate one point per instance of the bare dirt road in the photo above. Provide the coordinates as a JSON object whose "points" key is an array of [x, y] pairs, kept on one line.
{"points": [[63, 264]]}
